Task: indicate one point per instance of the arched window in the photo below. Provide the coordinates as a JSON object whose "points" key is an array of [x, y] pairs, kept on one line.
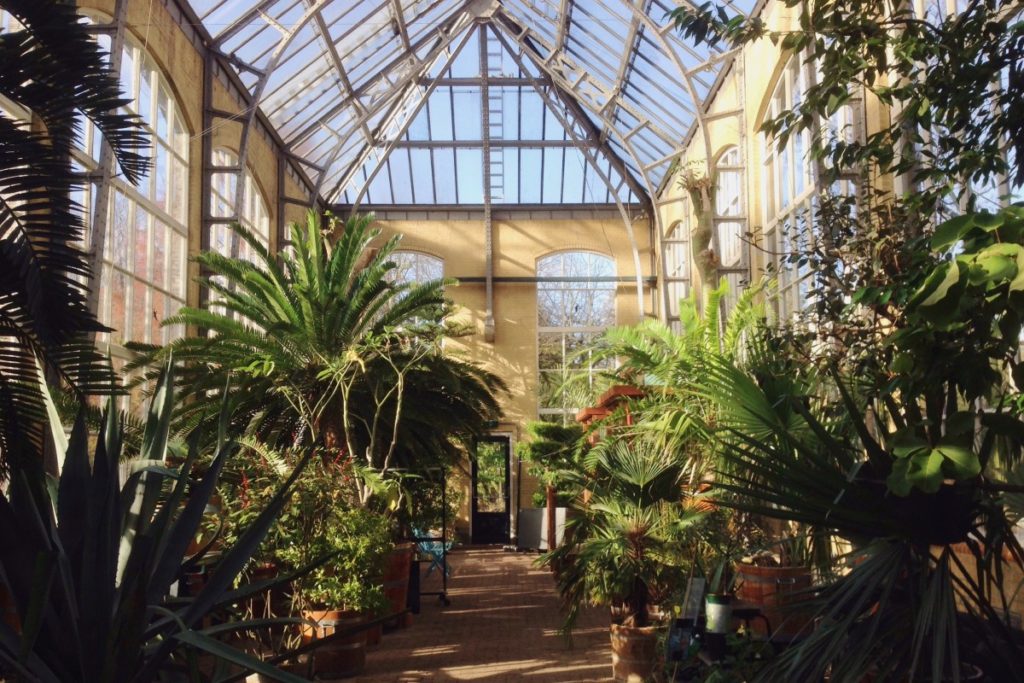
{"points": [[254, 215], [143, 277], [791, 185], [677, 264], [416, 267], [730, 223], [575, 304], [788, 192], [729, 207]]}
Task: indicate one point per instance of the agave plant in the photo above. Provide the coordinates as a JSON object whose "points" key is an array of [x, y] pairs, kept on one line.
{"points": [[92, 566], [54, 70]]}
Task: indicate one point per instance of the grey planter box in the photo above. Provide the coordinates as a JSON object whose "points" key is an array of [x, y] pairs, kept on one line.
{"points": [[533, 528]]}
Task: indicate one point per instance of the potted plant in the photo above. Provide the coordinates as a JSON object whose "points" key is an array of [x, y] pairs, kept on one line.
{"points": [[552, 449], [626, 548], [340, 594], [776, 583]]}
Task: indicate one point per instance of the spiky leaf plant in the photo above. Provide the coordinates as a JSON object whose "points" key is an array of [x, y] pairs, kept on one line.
{"points": [[926, 579], [92, 565], [323, 346]]}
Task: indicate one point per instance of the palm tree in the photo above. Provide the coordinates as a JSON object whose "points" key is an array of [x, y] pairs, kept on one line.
{"points": [[54, 70], [628, 544], [665, 363], [325, 347]]}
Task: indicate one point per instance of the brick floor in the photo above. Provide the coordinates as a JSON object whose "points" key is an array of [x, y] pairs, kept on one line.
{"points": [[502, 625]]}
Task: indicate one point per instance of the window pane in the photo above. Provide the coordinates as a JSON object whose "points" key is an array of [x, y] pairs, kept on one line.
{"points": [[575, 301]]}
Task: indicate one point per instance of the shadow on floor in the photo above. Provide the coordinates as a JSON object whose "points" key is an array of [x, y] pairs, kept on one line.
{"points": [[502, 625]]}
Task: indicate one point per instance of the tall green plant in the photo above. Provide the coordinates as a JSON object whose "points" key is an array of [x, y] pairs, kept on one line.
{"points": [[627, 546], [324, 347], [909, 467], [664, 363], [54, 70], [92, 565]]}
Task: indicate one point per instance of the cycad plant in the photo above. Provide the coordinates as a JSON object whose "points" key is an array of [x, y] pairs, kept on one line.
{"points": [[323, 346], [53, 70]]}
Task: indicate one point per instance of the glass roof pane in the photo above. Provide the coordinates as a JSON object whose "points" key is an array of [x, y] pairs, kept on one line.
{"points": [[353, 65]]}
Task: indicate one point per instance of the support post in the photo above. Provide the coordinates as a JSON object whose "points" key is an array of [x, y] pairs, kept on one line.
{"points": [[100, 222]]}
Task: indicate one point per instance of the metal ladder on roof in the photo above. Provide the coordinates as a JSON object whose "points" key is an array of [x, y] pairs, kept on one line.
{"points": [[495, 117]]}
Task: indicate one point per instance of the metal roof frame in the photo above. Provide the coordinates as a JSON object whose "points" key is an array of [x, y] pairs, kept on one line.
{"points": [[639, 130]]}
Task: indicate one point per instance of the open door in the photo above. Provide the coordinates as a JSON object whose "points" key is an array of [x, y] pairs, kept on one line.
{"points": [[491, 491]]}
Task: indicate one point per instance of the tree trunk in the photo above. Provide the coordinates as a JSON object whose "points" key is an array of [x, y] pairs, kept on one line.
{"points": [[702, 237], [552, 527]]}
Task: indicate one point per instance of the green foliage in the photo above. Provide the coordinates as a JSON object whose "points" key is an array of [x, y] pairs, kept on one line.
{"points": [[950, 127], [91, 565], [628, 544], [327, 484], [812, 456], [54, 69], [279, 328], [664, 363], [325, 348], [551, 449], [358, 542], [429, 509]]}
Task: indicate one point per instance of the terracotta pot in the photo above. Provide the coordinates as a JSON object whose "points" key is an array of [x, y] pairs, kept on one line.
{"points": [[341, 657], [634, 653], [375, 633], [396, 581], [776, 591]]}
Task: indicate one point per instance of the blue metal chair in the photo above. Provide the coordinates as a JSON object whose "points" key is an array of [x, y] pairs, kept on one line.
{"points": [[436, 547]]}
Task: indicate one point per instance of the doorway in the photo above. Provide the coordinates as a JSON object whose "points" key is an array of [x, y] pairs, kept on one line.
{"points": [[491, 490]]}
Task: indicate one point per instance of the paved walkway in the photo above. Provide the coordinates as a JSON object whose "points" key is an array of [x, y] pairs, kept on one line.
{"points": [[502, 625]]}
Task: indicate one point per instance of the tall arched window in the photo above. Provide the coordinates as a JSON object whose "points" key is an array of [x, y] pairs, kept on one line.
{"points": [[791, 185], [575, 304], [729, 222], [677, 264], [788, 193], [254, 215], [416, 267], [143, 277]]}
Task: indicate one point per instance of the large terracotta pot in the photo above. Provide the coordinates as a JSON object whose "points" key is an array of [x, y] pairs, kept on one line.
{"points": [[634, 653], [374, 634], [777, 592], [396, 581], [339, 658]]}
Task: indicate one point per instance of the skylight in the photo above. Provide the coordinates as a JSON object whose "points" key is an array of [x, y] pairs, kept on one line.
{"points": [[467, 101]]}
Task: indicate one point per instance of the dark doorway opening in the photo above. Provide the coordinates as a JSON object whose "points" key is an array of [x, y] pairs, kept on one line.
{"points": [[491, 490]]}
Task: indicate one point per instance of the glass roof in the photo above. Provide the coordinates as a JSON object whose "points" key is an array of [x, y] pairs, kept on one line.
{"points": [[467, 101]]}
